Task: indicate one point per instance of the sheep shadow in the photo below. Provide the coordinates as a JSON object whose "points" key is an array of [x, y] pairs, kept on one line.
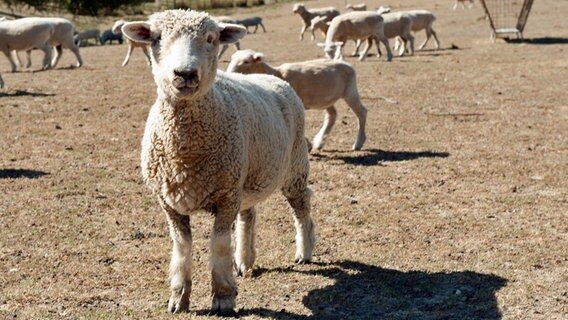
{"points": [[363, 291], [25, 93], [541, 41], [21, 173], [374, 157]]}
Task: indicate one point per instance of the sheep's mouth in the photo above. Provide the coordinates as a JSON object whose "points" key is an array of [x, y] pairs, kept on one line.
{"points": [[186, 91]]}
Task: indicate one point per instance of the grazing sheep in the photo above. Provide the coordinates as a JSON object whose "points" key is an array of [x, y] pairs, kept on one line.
{"points": [[357, 25], [109, 36], [226, 19], [398, 25], [251, 22], [308, 15], [462, 4], [319, 83], [218, 142], [26, 34], [356, 7], [86, 35], [422, 19], [116, 29]]}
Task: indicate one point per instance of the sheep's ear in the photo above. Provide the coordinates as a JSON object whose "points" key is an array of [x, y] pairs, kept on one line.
{"points": [[231, 33], [138, 31], [257, 57], [320, 44]]}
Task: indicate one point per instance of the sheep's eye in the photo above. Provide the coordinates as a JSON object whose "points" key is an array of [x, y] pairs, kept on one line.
{"points": [[156, 40], [210, 38]]}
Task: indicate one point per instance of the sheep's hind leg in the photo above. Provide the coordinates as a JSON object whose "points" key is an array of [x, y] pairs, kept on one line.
{"points": [[9, 56], [298, 194], [353, 100], [245, 253], [328, 122], [223, 284], [181, 261], [57, 56]]}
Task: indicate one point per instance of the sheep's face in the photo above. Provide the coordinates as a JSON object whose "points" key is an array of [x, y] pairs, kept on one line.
{"points": [[184, 47], [246, 61], [298, 7]]}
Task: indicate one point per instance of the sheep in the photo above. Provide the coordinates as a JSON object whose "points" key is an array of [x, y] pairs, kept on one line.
{"points": [[26, 34], [357, 25], [423, 19], [308, 15], [226, 19], [356, 7], [319, 83], [398, 25], [116, 29], [109, 36], [462, 4], [86, 35], [218, 142], [62, 38], [250, 22]]}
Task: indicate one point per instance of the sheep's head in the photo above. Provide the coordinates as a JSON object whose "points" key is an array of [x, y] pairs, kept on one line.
{"points": [[184, 47], [117, 27], [298, 7], [246, 61]]}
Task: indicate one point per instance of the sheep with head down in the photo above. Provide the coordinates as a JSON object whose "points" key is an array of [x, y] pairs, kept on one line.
{"points": [[218, 142]]}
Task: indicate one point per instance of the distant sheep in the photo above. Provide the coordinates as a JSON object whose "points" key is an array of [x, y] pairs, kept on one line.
{"points": [[356, 7], [357, 25], [398, 25], [307, 16], [218, 142], [86, 35], [319, 83], [423, 20], [251, 22], [109, 36], [117, 29], [24, 35]]}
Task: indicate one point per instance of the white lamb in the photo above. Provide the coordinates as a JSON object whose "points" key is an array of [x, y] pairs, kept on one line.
{"points": [[356, 7], [462, 4], [26, 34], [307, 15], [319, 83], [398, 25], [357, 25], [117, 29], [423, 20], [62, 38], [86, 35], [218, 142]]}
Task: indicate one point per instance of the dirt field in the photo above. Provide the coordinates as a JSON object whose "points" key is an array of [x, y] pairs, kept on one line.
{"points": [[457, 208]]}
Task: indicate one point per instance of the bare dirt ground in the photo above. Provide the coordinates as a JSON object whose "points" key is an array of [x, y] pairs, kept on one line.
{"points": [[456, 208]]}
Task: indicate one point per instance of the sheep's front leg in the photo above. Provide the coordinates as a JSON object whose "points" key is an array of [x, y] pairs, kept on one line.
{"points": [[181, 263], [9, 56], [224, 288], [302, 32], [366, 50], [298, 195], [246, 232], [328, 122]]}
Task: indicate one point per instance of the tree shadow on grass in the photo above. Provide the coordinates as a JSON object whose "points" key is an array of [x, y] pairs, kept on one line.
{"points": [[21, 173], [372, 157], [25, 93], [363, 291]]}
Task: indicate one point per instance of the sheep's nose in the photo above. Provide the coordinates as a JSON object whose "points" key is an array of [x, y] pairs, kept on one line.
{"points": [[185, 78]]}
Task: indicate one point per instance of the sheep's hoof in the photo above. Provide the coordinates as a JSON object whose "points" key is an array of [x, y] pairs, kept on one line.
{"points": [[243, 271], [302, 260], [178, 303], [223, 305]]}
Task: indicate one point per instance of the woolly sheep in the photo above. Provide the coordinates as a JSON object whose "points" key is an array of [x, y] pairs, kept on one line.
{"points": [[86, 35], [116, 29], [462, 4], [319, 83], [226, 19], [218, 142], [251, 22], [357, 25], [26, 34], [356, 7], [423, 20], [398, 25], [308, 15], [109, 36]]}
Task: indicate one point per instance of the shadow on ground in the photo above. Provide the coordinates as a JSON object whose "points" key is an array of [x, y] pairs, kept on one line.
{"points": [[363, 291], [544, 40], [373, 157], [24, 93], [21, 173]]}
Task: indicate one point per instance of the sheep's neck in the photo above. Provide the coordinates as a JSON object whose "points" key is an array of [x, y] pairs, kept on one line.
{"points": [[268, 69]]}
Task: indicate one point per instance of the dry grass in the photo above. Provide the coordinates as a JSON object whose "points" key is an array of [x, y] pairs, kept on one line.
{"points": [[455, 209]]}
